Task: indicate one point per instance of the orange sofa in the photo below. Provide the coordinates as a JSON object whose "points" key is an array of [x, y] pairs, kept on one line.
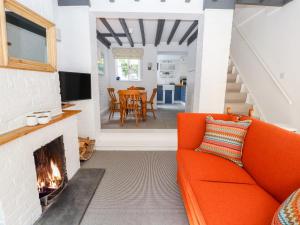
{"points": [[216, 191]]}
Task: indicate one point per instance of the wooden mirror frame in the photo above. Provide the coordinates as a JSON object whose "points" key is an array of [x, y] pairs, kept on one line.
{"points": [[16, 63]]}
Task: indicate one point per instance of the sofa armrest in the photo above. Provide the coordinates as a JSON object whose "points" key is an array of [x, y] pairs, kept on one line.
{"points": [[191, 128]]}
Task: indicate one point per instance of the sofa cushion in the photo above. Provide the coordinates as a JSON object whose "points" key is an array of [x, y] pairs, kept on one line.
{"points": [[225, 138], [234, 204], [191, 128], [289, 211], [203, 166], [271, 156]]}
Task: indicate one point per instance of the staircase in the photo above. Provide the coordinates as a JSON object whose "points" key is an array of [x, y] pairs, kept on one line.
{"points": [[236, 94]]}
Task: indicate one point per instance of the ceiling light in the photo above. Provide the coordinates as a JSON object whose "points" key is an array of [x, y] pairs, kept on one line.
{"points": [[112, 0], [163, 0], [187, 1]]}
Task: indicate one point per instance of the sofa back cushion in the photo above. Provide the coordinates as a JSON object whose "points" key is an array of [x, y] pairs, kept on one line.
{"points": [[225, 138], [191, 128], [271, 156]]}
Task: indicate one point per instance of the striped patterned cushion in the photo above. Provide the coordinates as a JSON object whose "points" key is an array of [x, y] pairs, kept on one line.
{"points": [[225, 139], [289, 211]]}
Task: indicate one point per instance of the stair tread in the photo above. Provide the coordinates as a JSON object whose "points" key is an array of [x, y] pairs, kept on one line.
{"points": [[236, 94]]}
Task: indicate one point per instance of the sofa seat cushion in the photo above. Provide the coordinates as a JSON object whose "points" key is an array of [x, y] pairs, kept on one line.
{"points": [[208, 167], [234, 204]]}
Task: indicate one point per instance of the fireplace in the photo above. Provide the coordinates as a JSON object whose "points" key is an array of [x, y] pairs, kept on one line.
{"points": [[50, 164]]}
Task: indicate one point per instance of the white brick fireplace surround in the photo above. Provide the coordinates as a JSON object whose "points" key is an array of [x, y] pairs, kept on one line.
{"points": [[19, 198]]}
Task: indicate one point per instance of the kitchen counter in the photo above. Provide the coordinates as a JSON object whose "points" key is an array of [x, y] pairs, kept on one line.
{"points": [[171, 93]]}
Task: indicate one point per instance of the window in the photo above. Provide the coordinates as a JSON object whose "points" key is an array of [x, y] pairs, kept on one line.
{"points": [[128, 69]]}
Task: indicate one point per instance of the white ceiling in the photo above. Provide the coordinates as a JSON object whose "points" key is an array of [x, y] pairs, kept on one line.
{"points": [[150, 27]]}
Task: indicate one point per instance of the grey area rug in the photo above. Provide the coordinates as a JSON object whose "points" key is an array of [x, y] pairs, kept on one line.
{"points": [[74, 200], [139, 188]]}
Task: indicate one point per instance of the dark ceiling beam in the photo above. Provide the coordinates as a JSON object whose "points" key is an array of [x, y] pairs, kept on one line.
{"points": [[278, 3], [219, 4], [73, 2], [108, 27], [230, 4], [110, 35], [176, 24], [103, 40], [141, 22], [159, 30], [193, 37], [188, 32], [125, 28]]}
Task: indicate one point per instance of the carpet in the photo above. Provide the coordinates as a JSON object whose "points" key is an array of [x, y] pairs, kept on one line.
{"points": [[74, 200], [139, 188]]}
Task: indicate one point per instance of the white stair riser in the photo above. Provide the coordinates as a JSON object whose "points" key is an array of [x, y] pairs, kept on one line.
{"points": [[233, 87], [231, 77], [235, 97]]}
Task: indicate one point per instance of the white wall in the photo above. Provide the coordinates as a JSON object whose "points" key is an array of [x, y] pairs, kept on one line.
{"points": [[104, 81], [191, 73], [266, 49], [216, 37], [23, 92], [149, 80], [180, 62], [75, 54]]}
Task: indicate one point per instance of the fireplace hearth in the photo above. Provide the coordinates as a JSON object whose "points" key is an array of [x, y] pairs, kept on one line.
{"points": [[50, 164]]}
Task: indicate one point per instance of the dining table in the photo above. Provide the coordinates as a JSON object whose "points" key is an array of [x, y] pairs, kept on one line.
{"points": [[143, 99]]}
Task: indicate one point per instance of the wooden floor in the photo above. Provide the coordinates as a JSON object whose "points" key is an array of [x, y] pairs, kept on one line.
{"points": [[166, 119]]}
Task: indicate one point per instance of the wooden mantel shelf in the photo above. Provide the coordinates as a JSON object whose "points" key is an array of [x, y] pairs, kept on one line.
{"points": [[20, 132]]}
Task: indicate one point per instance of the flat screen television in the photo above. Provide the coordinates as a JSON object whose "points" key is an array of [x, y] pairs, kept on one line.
{"points": [[74, 86]]}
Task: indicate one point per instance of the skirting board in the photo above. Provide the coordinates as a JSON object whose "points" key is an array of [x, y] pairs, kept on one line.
{"points": [[137, 140]]}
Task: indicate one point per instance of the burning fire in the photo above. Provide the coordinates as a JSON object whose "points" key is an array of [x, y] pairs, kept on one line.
{"points": [[49, 177]]}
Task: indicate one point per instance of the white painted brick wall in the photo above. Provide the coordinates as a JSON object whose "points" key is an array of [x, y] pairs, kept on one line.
{"points": [[23, 92], [18, 189]]}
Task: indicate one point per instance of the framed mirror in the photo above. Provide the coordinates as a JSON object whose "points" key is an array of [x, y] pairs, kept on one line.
{"points": [[27, 40]]}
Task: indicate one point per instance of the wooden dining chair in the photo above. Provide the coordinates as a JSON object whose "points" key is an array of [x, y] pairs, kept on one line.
{"points": [[136, 88], [130, 104], [114, 105], [151, 102]]}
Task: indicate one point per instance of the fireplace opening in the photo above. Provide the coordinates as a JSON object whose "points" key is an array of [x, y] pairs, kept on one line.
{"points": [[50, 165]]}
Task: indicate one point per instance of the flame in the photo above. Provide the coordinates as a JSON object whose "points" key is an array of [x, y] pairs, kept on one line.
{"points": [[49, 177]]}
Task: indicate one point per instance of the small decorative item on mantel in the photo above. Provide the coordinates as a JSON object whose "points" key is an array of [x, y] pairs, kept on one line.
{"points": [[43, 117], [31, 120], [86, 148]]}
